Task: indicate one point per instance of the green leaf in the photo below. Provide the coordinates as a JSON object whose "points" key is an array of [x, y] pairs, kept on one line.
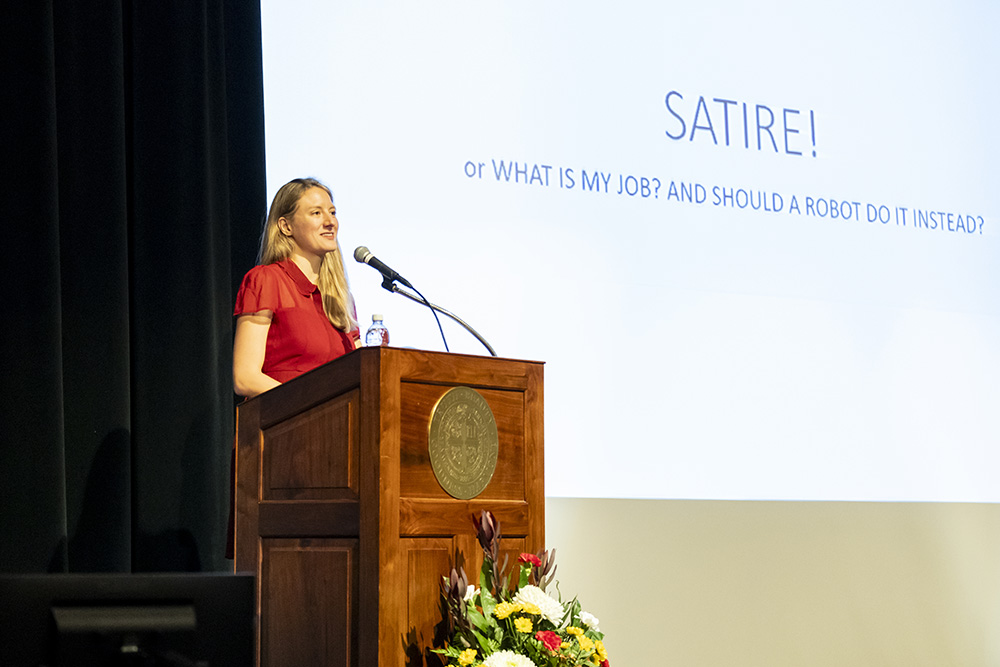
{"points": [[525, 572], [480, 622], [486, 575], [489, 602], [484, 644], [488, 646], [573, 610], [450, 651]]}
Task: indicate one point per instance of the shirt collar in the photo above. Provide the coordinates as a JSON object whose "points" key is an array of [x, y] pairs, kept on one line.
{"points": [[295, 273]]}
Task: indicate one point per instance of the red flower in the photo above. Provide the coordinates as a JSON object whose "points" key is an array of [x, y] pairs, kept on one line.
{"points": [[550, 639], [530, 558], [605, 663]]}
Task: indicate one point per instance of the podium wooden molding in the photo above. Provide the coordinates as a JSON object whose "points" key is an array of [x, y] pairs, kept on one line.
{"points": [[339, 515]]}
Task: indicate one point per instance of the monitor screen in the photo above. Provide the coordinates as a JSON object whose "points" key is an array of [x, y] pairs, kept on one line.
{"points": [[180, 620]]}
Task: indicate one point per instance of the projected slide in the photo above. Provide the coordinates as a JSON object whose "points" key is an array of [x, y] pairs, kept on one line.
{"points": [[755, 244]]}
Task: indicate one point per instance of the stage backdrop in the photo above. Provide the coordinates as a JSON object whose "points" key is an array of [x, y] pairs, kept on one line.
{"points": [[755, 244], [132, 166]]}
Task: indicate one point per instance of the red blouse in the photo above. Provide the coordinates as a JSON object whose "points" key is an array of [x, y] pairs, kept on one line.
{"points": [[301, 336]]}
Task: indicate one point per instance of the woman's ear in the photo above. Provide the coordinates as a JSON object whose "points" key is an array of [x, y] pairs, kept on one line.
{"points": [[284, 227]]}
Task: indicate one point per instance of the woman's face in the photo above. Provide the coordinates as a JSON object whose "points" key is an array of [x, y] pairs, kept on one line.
{"points": [[313, 225]]}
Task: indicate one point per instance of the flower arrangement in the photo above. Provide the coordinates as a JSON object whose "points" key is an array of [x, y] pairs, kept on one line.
{"points": [[521, 625]]}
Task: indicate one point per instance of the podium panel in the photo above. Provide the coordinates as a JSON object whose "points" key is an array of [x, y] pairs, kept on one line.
{"points": [[341, 517], [304, 587]]}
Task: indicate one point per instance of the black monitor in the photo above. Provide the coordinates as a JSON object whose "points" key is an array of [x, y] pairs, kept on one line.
{"points": [[152, 620]]}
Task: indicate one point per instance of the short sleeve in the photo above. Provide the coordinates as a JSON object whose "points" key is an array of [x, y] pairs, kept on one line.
{"points": [[260, 290]]}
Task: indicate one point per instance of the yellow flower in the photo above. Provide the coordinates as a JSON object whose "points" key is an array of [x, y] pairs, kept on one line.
{"points": [[601, 652], [467, 657], [504, 609], [565, 645], [523, 624], [586, 643], [529, 608], [574, 630]]}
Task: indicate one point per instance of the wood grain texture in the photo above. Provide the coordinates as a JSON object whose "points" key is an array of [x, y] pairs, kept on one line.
{"points": [[313, 455], [392, 572], [427, 561], [313, 388], [416, 475], [371, 509], [313, 519], [308, 590], [534, 455], [464, 370], [247, 488], [339, 513], [418, 516]]}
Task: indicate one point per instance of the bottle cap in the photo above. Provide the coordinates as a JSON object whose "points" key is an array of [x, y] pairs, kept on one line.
{"points": [[377, 317]]}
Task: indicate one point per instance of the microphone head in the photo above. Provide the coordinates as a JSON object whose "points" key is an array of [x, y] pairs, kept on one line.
{"points": [[361, 254]]}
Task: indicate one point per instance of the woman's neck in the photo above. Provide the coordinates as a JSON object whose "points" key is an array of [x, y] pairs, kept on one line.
{"points": [[308, 264]]}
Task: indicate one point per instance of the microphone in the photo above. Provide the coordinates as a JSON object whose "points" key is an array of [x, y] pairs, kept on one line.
{"points": [[363, 255]]}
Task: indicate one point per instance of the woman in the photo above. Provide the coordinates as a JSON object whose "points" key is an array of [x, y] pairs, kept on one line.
{"points": [[294, 310]]}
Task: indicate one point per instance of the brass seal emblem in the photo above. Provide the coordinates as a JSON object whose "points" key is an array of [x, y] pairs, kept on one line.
{"points": [[463, 443]]}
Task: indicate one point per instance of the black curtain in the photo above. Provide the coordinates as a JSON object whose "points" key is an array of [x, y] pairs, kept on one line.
{"points": [[132, 193]]}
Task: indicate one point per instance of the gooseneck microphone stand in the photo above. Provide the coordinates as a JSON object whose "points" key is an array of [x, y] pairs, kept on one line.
{"points": [[402, 291], [389, 277]]}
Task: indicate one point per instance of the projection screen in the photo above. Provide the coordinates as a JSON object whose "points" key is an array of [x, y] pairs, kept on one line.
{"points": [[755, 244]]}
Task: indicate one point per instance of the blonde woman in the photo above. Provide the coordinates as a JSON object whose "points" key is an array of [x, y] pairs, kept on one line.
{"points": [[294, 310]]}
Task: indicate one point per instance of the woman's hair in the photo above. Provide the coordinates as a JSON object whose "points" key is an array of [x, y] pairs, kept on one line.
{"points": [[338, 303]]}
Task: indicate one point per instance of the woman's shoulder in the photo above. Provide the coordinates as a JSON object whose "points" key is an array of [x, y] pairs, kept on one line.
{"points": [[266, 270], [262, 289], [264, 274]]}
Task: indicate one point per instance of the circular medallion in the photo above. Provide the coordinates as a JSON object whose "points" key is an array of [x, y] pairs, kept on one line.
{"points": [[463, 443]]}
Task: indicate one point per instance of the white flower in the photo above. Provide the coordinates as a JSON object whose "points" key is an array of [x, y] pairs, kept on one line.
{"points": [[550, 608], [508, 659], [470, 592], [590, 620]]}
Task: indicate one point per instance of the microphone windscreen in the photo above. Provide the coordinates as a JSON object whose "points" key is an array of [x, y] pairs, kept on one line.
{"points": [[361, 254]]}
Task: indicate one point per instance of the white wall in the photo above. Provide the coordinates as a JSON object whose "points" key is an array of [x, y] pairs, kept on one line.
{"points": [[770, 584]]}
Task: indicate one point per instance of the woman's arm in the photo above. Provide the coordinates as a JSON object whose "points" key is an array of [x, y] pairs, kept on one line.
{"points": [[249, 346]]}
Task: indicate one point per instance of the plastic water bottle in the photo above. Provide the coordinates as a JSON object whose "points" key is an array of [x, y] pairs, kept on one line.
{"points": [[377, 333]]}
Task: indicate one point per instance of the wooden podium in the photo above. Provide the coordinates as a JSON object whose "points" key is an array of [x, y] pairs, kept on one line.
{"points": [[340, 515]]}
